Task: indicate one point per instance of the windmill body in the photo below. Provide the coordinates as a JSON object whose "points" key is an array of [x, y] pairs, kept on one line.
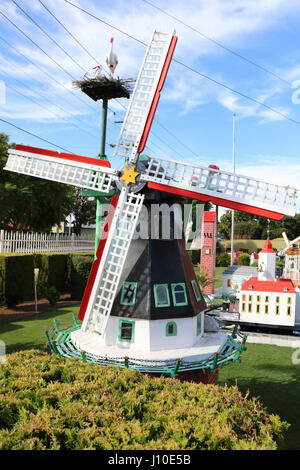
{"points": [[142, 300]]}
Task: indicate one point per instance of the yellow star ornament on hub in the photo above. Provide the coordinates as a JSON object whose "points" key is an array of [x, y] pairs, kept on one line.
{"points": [[129, 175]]}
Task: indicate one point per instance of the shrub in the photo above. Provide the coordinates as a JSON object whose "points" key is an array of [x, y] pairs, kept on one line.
{"points": [[54, 271], [244, 259], [223, 259], [195, 256], [203, 277], [52, 295], [2, 280], [18, 278], [49, 402], [80, 270]]}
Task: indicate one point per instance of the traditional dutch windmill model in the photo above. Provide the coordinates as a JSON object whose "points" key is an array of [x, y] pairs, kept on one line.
{"points": [[142, 306]]}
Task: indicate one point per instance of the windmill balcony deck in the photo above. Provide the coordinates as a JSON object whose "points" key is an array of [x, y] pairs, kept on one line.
{"points": [[205, 346], [209, 353]]}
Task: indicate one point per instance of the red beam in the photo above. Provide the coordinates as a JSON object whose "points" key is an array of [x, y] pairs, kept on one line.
{"points": [[95, 265], [218, 201], [65, 156], [156, 97]]}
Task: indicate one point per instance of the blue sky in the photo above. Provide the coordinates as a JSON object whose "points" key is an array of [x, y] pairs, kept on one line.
{"points": [[196, 111]]}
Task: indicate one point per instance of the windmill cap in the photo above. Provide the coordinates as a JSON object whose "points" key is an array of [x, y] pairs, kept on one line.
{"points": [[214, 167], [267, 248]]}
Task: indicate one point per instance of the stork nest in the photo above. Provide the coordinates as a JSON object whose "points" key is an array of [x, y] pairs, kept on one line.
{"points": [[103, 87]]}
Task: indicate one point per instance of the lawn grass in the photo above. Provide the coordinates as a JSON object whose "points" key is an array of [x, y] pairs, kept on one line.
{"points": [[30, 333], [219, 277], [266, 371]]}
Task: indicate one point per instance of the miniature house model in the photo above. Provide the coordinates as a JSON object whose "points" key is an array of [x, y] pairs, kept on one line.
{"points": [[265, 299], [234, 277]]}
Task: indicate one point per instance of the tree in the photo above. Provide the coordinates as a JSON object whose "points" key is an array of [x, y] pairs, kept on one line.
{"points": [[28, 203], [84, 211], [255, 227]]}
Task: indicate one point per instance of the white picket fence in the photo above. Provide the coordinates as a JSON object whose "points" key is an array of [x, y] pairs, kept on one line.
{"points": [[27, 242]]}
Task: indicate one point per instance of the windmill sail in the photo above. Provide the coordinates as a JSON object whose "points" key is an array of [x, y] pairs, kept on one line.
{"points": [[222, 188], [112, 261], [145, 97], [76, 170]]}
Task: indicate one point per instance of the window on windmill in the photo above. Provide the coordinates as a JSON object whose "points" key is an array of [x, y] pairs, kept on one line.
{"points": [[196, 290], [179, 294], [171, 329], [128, 295], [161, 295], [126, 330]]}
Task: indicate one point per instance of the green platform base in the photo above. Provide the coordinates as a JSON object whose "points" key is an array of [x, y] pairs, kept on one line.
{"points": [[59, 342]]}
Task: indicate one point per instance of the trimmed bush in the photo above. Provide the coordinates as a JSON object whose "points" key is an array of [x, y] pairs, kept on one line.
{"points": [[49, 402], [54, 271], [243, 259], [17, 284], [52, 295], [65, 272], [223, 260], [2, 280], [80, 270], [195, 256]]}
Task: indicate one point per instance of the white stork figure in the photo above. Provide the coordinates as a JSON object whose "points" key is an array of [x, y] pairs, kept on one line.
{"points": [[111, 58], [93, 73]]}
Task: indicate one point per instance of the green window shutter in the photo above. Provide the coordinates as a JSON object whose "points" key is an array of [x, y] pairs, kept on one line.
{"points": [[179, 294], [126, 330], [161, 295], [171, 329], [196, 290], [128, 295]]}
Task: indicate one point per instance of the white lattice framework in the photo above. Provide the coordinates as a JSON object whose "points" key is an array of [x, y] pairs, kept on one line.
{"points": [[221, 184], [62, 170], [112, 261], [142, 97]]}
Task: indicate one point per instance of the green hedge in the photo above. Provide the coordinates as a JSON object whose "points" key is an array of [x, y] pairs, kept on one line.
{"points": [[54, 270], [17, 278], [66, 272], [80, 269], [195, 256], [55, 403]]}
